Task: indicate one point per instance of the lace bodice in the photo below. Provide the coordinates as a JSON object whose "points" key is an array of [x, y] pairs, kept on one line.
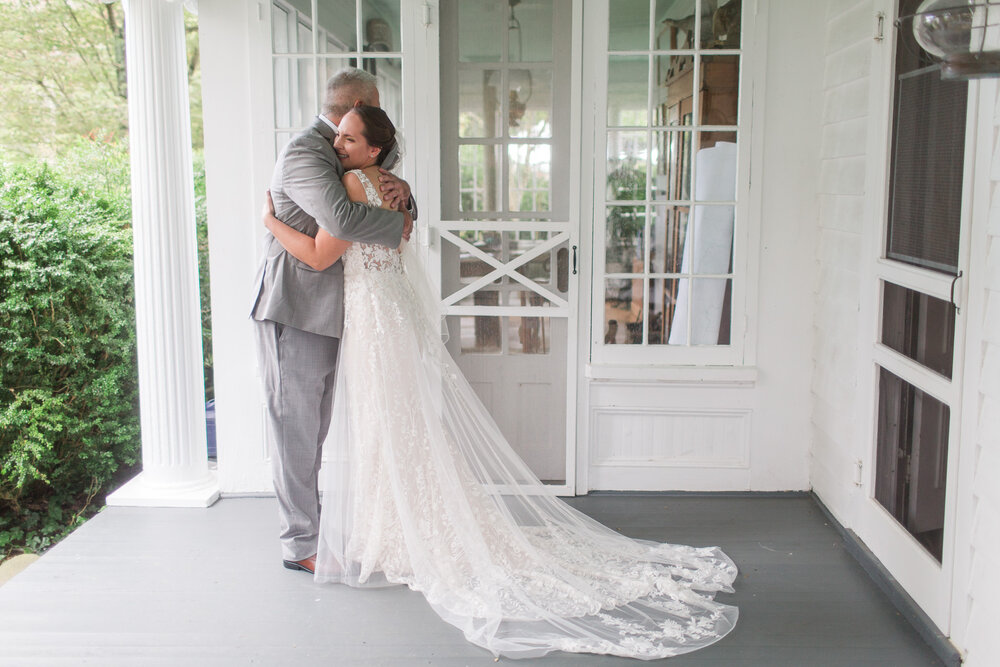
{"points": [[369, 257]]}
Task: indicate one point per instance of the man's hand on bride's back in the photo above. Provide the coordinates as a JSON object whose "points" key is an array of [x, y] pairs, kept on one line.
{"points": [[395, 191]]}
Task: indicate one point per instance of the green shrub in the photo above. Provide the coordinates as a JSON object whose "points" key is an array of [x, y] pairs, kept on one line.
{"points": [[201, 223], [68, 387]]}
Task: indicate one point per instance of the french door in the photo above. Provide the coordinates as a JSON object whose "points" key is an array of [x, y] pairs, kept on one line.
{"points": [[507, 238], [913, 364]]}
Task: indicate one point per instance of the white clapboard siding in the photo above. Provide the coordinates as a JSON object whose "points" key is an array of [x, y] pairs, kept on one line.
{"points": [[839, 246], [981, 638]]}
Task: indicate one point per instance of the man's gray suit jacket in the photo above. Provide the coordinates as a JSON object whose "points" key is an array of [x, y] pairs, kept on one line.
{"points": [[308, 195]]}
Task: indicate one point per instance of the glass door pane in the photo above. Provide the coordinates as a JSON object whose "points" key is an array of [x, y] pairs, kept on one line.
{"points": [[912, 459]]}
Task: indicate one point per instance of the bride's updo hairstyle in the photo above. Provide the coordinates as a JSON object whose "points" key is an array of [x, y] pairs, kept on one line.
{"points": [[379, 132]]}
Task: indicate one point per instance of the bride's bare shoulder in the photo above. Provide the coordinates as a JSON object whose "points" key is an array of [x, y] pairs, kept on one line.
{"points": [[373, 174], [355, 189]]}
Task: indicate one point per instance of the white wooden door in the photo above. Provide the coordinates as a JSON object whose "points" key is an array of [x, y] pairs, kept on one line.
{"points": [[506, 241], [913, 350]]}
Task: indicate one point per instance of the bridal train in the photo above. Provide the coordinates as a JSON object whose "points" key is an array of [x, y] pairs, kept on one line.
{"points": [[423, 490]]}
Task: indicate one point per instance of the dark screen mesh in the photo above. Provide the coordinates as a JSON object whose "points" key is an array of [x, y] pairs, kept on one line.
{"points": [[926, 178], [928, 148]]}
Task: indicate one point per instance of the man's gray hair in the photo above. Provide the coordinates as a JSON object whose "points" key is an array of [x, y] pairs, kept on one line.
{"points": [[346, 86]]}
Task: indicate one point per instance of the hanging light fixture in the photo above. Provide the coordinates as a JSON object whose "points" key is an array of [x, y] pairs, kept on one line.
{"points": [[520, 79], [964, 34]]}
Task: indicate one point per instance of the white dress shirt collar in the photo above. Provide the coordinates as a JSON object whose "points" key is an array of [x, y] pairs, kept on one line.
{"points": [[328, 122]]}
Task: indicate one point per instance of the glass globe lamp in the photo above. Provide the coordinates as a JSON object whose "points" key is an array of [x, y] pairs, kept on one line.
{"points": [[964, 34]]}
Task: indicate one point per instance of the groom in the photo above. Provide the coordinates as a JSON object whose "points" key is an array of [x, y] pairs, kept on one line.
{"points": [[299, 312]]}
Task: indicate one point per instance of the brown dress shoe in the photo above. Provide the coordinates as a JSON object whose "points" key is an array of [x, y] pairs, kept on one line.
{"points": [[306, 564]]}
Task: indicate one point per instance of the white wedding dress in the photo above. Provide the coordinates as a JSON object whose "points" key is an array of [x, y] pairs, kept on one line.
{"points": [[422, 489]]}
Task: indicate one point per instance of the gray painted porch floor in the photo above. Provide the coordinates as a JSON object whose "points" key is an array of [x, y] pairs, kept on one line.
{"points": [[140, 586]]}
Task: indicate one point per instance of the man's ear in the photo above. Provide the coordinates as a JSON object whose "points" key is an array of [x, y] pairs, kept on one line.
{"points": [[359, 103]]}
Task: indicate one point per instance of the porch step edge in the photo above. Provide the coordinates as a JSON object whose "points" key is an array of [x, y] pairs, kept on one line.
{"points": [[899, 598]]}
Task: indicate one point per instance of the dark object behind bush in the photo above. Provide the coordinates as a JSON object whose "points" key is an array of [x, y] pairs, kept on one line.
{"points": [[68, 390]]}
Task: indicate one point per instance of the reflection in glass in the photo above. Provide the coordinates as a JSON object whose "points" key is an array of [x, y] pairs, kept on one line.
{"points": [[529, 99], [628, 25], [380, 19], [389, 75], [623, 311], [675, 24], [540, 268], [912, 459], [626, 175], [672, 160], [289, 30], [280, 139], [481, 26], [715, 166], [686, 265], [529, 31], [623, 243], [295, 102], [662, 304], [479, 334], [506, 247], [471, 268], [919, 326], [722, 31], [628, 85], [668, 235], [720, 76], [480, 177], [337, 20], [505, 292], [528, 335], [675, 101], [704, 306], [329, 66], [528, 179], [710, 238], [479, 103], [515, 294]]}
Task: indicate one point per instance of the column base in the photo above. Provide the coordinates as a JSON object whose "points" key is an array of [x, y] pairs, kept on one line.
{"points": [[140, 492]]}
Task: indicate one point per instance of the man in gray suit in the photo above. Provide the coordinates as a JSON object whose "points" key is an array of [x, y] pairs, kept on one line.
{"points": [[299, 312]]}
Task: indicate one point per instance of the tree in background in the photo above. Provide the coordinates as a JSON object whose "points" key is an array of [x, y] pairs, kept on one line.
{"points": [[62, 73]]}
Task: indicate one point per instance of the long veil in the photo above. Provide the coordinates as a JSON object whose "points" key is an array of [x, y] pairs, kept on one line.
{"points": [[423, 489]]}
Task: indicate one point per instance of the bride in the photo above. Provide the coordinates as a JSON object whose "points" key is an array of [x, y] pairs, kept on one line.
{"points": [[422, 488]]}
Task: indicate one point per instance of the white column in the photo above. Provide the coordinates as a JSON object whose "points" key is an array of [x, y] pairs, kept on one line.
{"points": [[175, 469]]}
